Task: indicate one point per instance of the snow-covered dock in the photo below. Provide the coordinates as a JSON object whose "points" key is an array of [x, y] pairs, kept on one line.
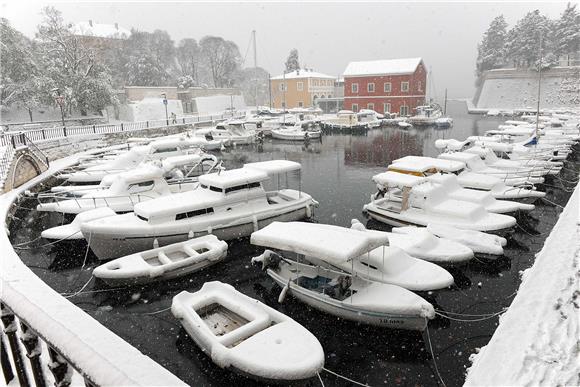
{"points": [[538, 339]]}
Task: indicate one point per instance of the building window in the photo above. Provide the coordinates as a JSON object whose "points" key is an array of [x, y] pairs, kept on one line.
{"points": [[283, 87], [371, 87], [404, 86], [404, 111], [284, 105], [300, 104], [387, 87], [300, 86], [371, 106], [354, 87], [419, 86], [355, 107], [387, 107]]}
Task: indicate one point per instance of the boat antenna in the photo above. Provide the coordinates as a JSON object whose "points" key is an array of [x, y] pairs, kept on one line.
{"points": [[539, 87], [255, 70]]}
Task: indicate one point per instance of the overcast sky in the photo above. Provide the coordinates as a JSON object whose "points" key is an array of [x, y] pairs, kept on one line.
{"points": [[327, 35]]}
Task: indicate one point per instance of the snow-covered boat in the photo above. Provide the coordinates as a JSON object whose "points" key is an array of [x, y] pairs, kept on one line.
{"points": [[387, 264], [404, 124], [344, 119], [474, 163], [426, 115], [336, 292], [72, 231], [135, 186], [242, 334], [479, 242], [534, 168], [444, 122], [231, 132], [163, 263], [426, 166], [294, 133], [156, 150], [424, 245], [410, 200], [229, 204]]}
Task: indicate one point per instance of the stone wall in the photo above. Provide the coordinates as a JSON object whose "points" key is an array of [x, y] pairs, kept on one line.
{"points": [[518, 89]]}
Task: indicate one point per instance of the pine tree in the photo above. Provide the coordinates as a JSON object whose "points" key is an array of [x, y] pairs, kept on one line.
{"points": [[292, 62], [567, 32], [523, 41], [491, 50]]}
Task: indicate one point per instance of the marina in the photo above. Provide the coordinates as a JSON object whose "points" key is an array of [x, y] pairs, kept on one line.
{"points": [[337, 171]]}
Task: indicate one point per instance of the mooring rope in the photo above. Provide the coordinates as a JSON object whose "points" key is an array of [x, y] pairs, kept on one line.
{"points": [[157, 311], [530, 234], [345, 378], [87, 251], [468, 314], [80, 291], [319, 378], [433, 354], [470, 320], [46, 244], [551, 202], [565, 189]]}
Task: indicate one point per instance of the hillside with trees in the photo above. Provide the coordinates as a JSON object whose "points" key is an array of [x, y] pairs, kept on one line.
{"points": [[557, 41]]}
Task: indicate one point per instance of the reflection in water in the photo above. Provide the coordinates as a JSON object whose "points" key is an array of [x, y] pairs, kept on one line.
{"points": [[337, 172]]}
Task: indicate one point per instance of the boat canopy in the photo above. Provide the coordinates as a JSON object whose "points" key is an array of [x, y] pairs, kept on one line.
{"points": [[330, 243], [233, 177], [274, 167], [390, 178], [143, 173], [424, 164], [460, 156]]}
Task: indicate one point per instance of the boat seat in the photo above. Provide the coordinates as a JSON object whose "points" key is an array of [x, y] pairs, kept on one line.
{"points": [[190, 251], [240, 334], [163, 258]]}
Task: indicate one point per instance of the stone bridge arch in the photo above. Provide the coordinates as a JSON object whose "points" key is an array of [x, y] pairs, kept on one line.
{"points": [[25, 166]]}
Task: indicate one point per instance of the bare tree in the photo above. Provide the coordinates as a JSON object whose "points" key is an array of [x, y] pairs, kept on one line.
{"points": [[188, 56], [223, 59]]}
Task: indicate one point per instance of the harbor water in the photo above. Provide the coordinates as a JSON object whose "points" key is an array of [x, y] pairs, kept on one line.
{"points": [[337, 172]]}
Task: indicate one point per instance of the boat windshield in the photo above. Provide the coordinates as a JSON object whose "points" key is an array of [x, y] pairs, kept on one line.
{"points": [[338, 288]]}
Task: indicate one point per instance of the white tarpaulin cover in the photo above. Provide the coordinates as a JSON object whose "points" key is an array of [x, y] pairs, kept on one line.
{"points": [[333, 244]]}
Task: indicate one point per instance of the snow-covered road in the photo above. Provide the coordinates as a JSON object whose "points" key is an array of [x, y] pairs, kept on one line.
{"points": [[538, 340]]}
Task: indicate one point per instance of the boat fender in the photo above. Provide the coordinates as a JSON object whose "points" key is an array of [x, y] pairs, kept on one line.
{"points": [[255, 222], [190, 235], [308, 211], [284, 292], [155, 243], [209, 230]]}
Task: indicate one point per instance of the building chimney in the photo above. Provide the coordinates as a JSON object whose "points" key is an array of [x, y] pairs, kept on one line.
{"points": [[91, 23], [116, 26]]}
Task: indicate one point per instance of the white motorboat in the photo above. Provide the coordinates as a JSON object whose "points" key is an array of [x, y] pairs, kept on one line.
{"points": [[163, 263], [426, 166], [242, 334], [135, 186], [387, 264], [371, 118], [336, 292], [411, 200], [229, 204], [479, 242], [424, 245], [231, 132], [344, 119], [404, 124], [156, 150], [444, 122], [531, 166], [475, 164], [294, 133], [72, 231], [426, 115]]}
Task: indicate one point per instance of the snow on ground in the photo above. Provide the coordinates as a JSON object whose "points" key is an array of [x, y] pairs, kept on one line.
{"points": [[153, 109], [105, 357], [219, 103], [538, 338]]}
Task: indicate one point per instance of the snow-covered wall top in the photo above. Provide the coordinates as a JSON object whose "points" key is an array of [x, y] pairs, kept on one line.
{"points": [[517, 89], [379, 67], [303, 73]]}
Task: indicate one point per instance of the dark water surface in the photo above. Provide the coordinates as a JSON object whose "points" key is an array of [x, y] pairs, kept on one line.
{"points": [[337, 173]]}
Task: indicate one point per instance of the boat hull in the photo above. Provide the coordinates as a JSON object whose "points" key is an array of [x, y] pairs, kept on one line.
{"points": [[416, 323], [107, 246]]}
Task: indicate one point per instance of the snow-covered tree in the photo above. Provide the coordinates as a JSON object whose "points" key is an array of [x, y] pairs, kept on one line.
{"points": [[254, 83], [292, 62], [491, 50], [567, 32], [188, 57], [185, 81], [222, 58], [18, 67], [149, 59], [523, 41], [69, 66]]}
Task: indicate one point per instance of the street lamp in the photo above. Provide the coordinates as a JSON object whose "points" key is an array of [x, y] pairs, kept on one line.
{"points": [[59, 99], [164, 95]]}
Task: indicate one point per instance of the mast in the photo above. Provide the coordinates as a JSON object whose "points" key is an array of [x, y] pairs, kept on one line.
{"points": [[270, 89], [255, 70], [539, 88], [445, 104]]}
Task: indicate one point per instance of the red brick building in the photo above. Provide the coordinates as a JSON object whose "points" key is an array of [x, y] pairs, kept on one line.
{"points": [[393, 85]]}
